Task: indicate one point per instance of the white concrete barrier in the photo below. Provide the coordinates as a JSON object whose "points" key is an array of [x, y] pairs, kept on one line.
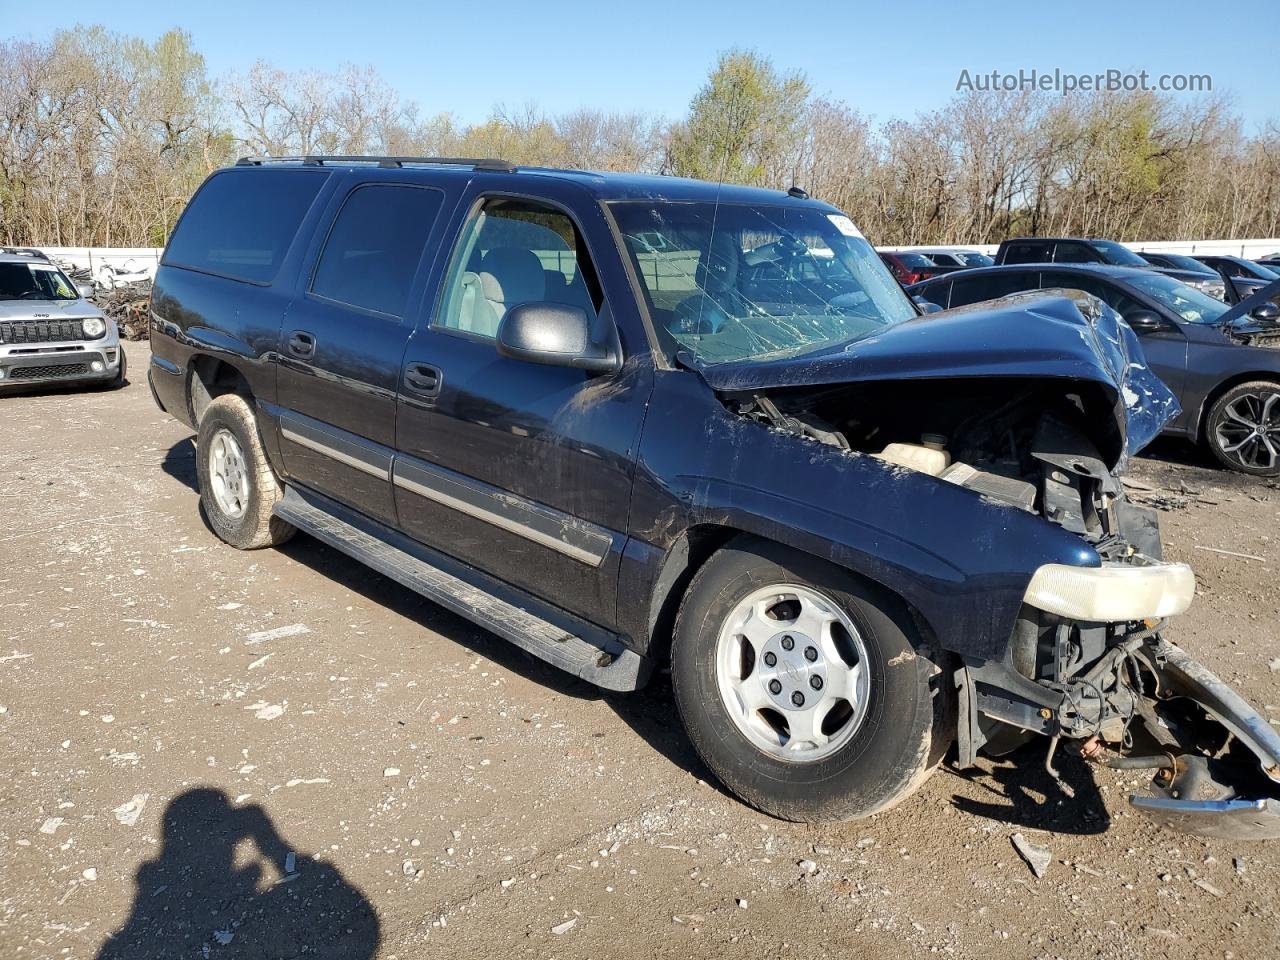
{"points": [[1249, 249]]}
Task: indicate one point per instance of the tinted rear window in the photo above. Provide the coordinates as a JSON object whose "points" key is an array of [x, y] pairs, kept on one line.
{"points": [[240, 224], [372, 252], [969, 290], [913, 260], [1026, 253]]}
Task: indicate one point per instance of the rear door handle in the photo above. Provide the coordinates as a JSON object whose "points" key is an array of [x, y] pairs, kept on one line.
{"points": [[301, 343], [423, 378]]}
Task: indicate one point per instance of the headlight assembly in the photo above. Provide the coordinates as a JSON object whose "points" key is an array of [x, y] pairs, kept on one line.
{"points": [[93, 327], [1112, 593]]}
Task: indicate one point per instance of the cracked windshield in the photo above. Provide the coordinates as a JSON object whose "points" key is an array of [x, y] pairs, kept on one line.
{"points": [[727, 282]]}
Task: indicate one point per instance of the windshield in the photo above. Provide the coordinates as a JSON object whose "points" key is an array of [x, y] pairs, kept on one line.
{"points": [[1187, 302], [1121, 256], [729, 282], [975, 259], [34, 281]]}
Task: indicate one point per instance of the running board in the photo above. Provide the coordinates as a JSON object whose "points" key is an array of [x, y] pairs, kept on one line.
{"points": [[604, 662]]}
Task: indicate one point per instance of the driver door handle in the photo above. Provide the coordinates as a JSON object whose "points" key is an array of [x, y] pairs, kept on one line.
{"points": [[423, 378]]}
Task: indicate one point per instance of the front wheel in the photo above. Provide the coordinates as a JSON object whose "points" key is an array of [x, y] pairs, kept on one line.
{"points": [[809, 693], [1243, 428], [238, 488]]}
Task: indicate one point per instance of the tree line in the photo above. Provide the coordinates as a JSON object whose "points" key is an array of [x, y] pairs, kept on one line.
{"points": [[105, 137]]}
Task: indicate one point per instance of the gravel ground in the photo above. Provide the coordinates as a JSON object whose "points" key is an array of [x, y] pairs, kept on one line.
{"points": [[208, 753]]}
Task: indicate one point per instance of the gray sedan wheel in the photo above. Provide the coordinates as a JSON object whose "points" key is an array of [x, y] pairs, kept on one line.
{"points": [[1243, 428]]}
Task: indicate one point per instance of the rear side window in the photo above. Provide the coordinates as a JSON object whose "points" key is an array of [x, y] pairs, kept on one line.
{"points": [[969, 290], [240, 224], [934, 292], [1075, 253], [372, 252], [1027, 253]]}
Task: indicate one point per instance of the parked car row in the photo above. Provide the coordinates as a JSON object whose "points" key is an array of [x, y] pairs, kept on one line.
{"points": [[912, 266], [1222, 362]]}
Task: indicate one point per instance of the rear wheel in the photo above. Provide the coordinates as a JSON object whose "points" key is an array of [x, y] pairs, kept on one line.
{"points": [[807, 692], [1243, 428], [238, 488]]}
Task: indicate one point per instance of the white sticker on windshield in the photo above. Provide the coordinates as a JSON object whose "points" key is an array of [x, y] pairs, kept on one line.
{"points": [[845, 225]]}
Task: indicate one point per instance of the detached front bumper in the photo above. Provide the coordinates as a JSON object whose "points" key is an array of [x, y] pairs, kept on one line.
{"points": [[1189, 795], [35, 365]]}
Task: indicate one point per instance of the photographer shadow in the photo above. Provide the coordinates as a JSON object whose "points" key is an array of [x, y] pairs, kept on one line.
{"points": [[210, 893]]}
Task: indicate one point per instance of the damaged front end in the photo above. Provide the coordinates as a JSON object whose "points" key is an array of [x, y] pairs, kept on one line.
{"points": [[1036, 403]]}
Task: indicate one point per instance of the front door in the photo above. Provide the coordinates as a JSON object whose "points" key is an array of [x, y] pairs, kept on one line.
{"points": [[520, 469], [343, 339]]}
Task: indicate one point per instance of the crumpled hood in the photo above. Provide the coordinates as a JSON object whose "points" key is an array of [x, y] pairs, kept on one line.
{"points": [[1061, 334], [26, 310]]}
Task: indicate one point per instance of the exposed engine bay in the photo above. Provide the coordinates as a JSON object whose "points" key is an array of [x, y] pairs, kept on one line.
{"points": [[1127, 697], [1016, 442]]}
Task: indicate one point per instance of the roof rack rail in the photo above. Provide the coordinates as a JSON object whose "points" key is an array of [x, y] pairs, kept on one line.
{"points": [[491, 164]]}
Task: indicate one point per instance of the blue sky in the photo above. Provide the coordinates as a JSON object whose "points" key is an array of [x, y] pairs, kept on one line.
{"points": [[888, 60]]}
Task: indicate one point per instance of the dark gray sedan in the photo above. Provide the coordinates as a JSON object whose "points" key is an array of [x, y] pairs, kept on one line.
{"points": [[1222, 362]]}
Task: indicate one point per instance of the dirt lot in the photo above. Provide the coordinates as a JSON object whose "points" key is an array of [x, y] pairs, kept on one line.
{"points": [[207, 753]]}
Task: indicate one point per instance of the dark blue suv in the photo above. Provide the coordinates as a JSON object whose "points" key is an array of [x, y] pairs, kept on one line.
{"points": [[632, 422]]}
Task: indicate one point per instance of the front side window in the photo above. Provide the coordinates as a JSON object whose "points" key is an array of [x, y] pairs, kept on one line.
{"points": [[372, 252], [738, 282], [241, 223], [34, 281], [515, 251], [975, 260]]}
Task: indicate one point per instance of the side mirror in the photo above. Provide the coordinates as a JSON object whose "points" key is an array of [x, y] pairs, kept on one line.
{"points": [[86, 290], [1144, 321], [1266, 312], [555, 334], [926, 306]]}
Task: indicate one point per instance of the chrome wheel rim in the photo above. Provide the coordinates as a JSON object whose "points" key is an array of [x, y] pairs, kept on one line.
{"points": [[791, 669], [1248, 433], [227, 478]]}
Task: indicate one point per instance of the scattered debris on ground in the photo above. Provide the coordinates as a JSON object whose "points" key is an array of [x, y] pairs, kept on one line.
{"points": [[130, 307]]}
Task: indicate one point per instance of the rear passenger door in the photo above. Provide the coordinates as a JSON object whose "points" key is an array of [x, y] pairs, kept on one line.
{"points": [[523, 470], [344, 336]]}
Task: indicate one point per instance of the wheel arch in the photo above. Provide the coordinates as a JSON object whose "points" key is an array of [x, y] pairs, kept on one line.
{"points": [[1202, 415], [699, 543], [211, 377]]}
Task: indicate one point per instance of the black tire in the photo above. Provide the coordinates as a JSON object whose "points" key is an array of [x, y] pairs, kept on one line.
{"points": [[122, 374], [254, 526], [1222, 431], [909, 720]]}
